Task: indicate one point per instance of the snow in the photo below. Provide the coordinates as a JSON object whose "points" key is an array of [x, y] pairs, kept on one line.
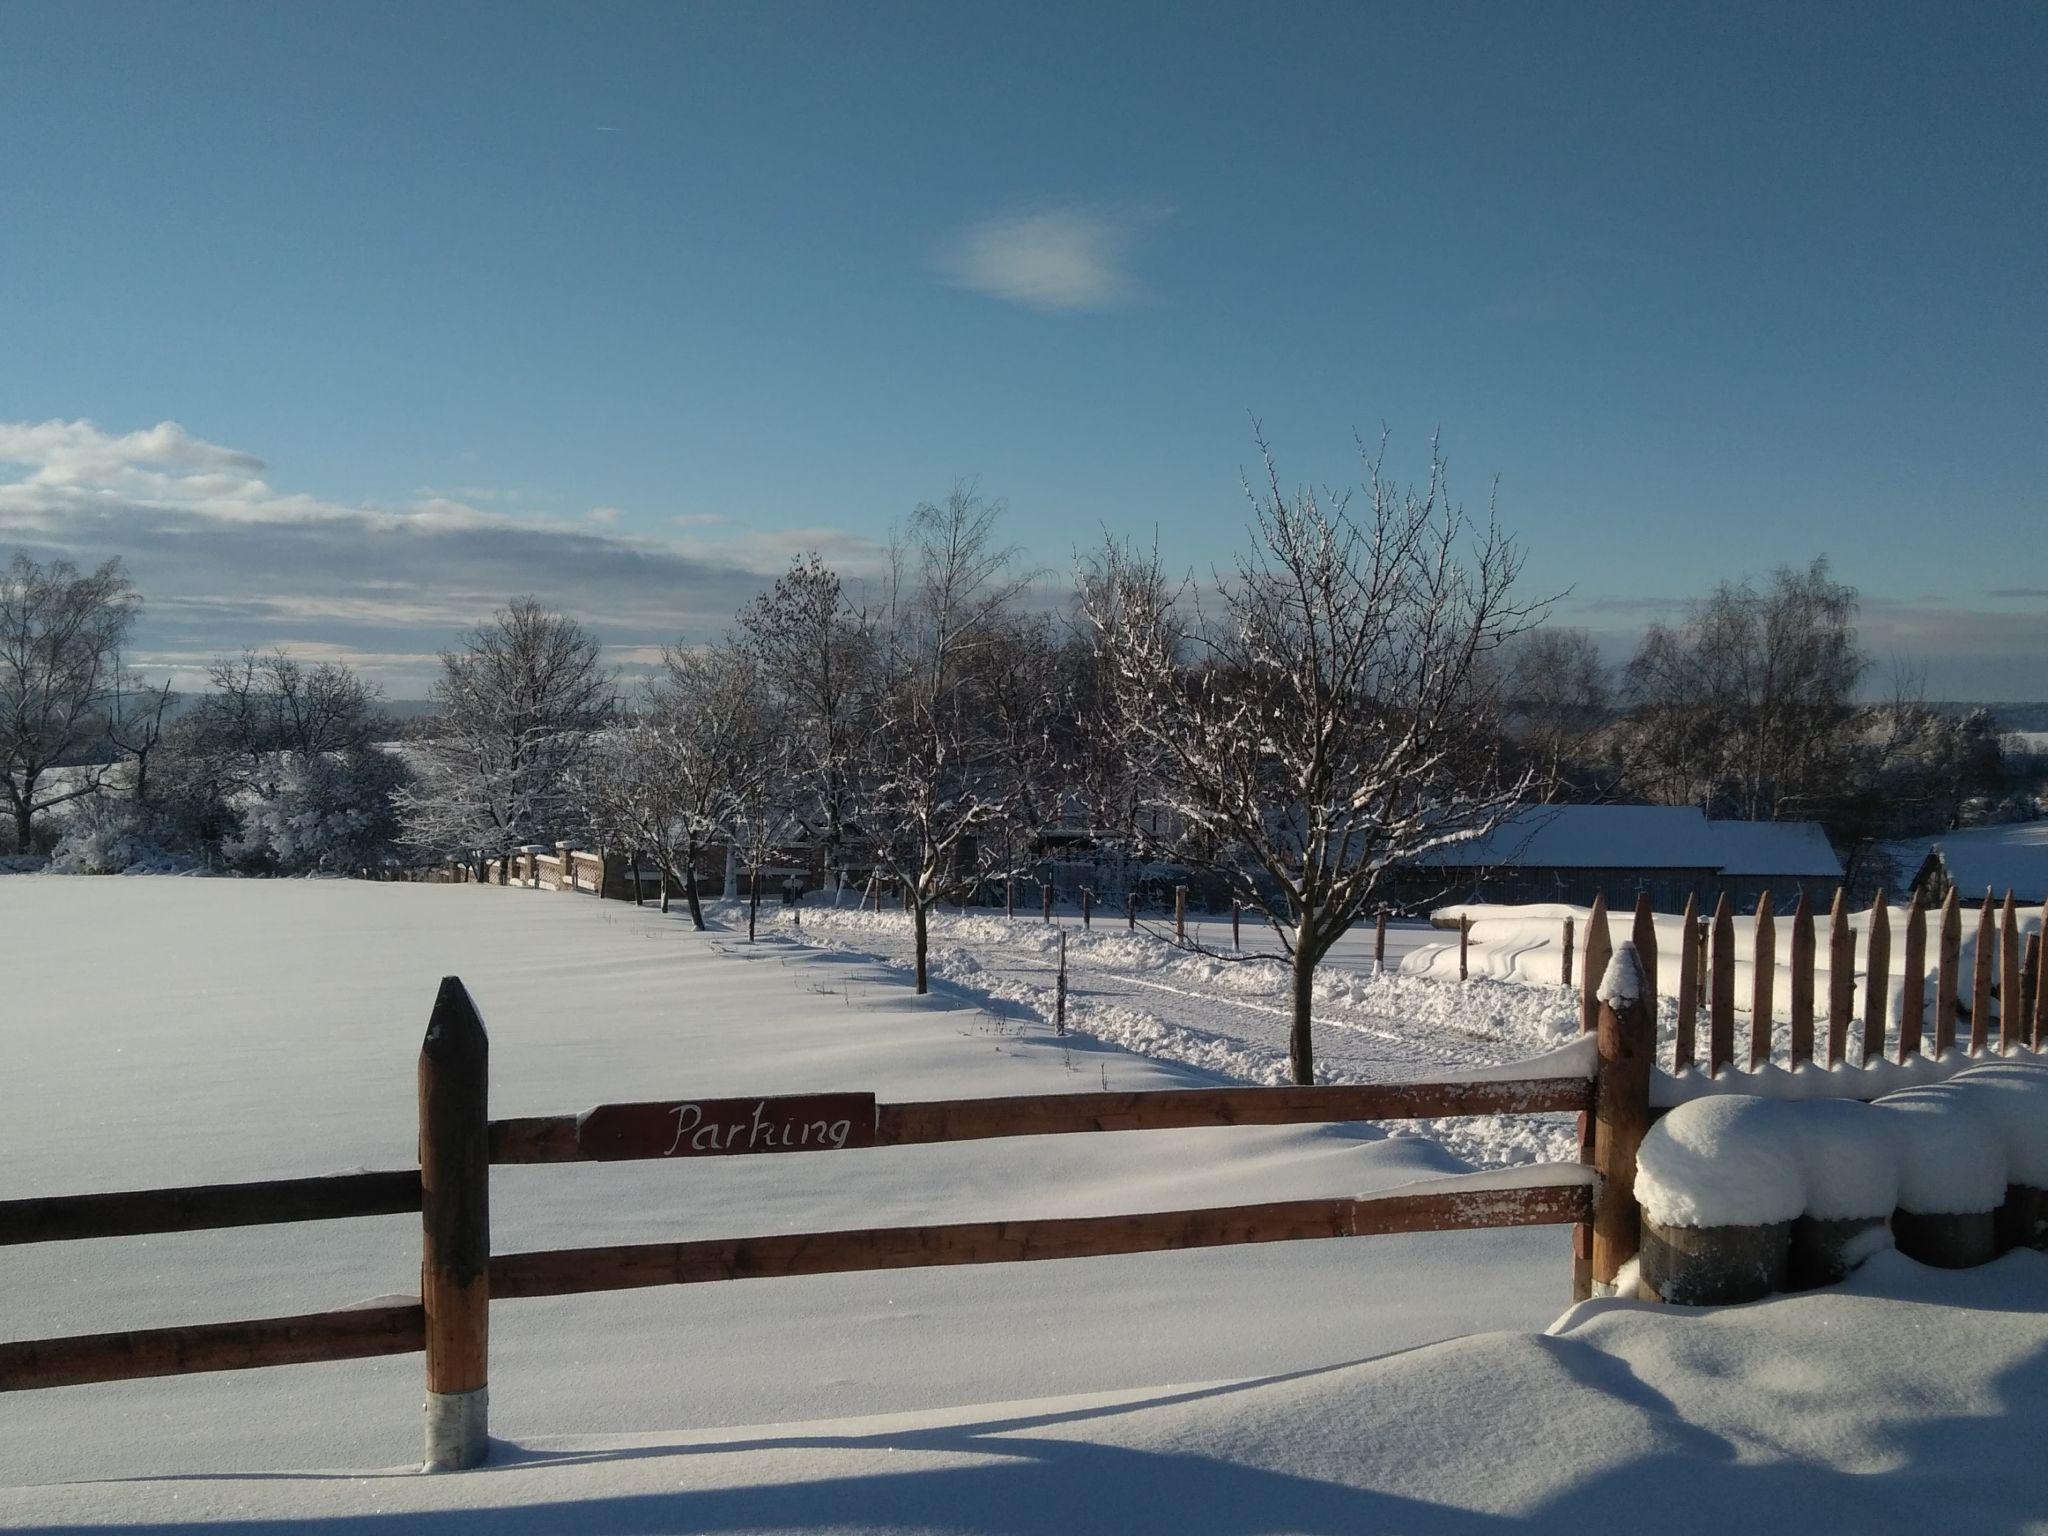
{"points": [[1624, 982], [1939, 1149], [187, 1031], [177, 1031], [1724, 1162], [1950, 1160], [1905, 1399]]}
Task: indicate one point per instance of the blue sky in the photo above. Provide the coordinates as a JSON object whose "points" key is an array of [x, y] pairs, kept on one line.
{"points": [[621, 305]]}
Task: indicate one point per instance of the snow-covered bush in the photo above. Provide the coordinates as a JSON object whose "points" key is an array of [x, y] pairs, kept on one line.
{"points": [[109, 836]]}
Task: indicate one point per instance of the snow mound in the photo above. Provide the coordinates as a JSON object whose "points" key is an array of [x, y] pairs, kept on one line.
{"points": [[1951, 1158], [1722, 1162]]}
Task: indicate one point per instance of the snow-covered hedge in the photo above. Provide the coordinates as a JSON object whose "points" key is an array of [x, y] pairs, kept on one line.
{"points": [[1946, 1148]]}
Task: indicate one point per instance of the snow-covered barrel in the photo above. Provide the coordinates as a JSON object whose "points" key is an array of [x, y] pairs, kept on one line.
{"points": [[2012, 1098], [1851, 1176], [1720, 1187], [1952, 1173]]}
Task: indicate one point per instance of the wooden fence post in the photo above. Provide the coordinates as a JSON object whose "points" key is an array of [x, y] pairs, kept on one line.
{"points": [[1010, 898], [1464, 946], [1045, 899], [1877, 981], [2011, 1017], [1379, 942], [1721, 990], [1644, 932], [1621, 1112], [1841, 978], [1180, 914], [455, 1250], [1802, 982], [1948, 973], [1913, 979], [2041, 985], [1980, 974], [1131, 906], [1564, 975], [1598, 951], [1237, 925], [1684, 1047], [1087, 907], [1059, 1013], [1763, 981]]}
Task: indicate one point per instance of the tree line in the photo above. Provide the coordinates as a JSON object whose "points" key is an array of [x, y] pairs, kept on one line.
{"points": [[1366, 683]]}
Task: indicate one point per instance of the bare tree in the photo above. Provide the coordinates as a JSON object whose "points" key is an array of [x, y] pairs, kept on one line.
{"points": [[935, 789], [816, 654], [1557, 695], [1743, 709], [519, 706], [1327, 713], [60, 640], [137, 718]]}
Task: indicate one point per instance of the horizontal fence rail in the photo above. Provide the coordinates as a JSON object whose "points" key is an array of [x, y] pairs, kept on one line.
{"points": [[575, 1270], [204, 1207], [351, 1334], [667, 1128]]}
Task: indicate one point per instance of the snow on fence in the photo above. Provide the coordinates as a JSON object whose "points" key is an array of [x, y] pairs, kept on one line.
{"points": [[461, 1277]]}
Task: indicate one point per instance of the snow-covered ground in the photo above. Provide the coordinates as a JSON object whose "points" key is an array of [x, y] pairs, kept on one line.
{"points": [[160, 1031], [163, 1031]]}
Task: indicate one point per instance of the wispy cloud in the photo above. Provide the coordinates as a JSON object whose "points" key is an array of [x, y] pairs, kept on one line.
{"points": [[225, 559], [1054, 258]]}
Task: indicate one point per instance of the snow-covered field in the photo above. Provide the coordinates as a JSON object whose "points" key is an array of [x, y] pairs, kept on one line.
{"points": [[161, 1031], [168, 1031]]}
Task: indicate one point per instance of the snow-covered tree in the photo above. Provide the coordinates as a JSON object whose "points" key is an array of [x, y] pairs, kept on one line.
{"points": [[518, 708], [816, 652], [936, 787], [1328, 711], [60, 639]]}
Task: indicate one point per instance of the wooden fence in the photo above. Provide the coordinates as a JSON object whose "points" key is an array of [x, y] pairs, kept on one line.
{"points": [[461, 1277], [1844, 988]]}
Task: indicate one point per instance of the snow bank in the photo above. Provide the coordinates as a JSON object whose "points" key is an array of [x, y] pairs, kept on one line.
{"points": [[1721, 1163], [1951, 1160], [1943, 1149], [1906, 1399]]}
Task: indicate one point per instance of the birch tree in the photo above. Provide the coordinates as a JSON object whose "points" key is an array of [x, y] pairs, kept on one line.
{"points": [[519, 707], [1328, 711], [815, 651], [60, 638], [935, 790]]}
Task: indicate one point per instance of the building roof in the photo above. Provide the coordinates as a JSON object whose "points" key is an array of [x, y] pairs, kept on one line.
{"points": [[1775, 848], [2012, 857], [1674, 837]]}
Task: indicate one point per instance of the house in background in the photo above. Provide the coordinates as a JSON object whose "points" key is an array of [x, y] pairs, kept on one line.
{"points": [[2010, 857], [1570, 853]]}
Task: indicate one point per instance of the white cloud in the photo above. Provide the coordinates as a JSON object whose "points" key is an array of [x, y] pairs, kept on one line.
{"points": [[225, 559], [1069, 257]]}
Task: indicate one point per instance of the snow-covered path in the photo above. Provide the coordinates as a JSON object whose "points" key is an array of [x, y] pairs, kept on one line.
{"points": [[1224, 1014]]}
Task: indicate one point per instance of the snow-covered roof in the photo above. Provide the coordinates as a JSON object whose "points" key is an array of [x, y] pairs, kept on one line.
{"points": [[1775, 848], [1646, 837], [2013, 857]]}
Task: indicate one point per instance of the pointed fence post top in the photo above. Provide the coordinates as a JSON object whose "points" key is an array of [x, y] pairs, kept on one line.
{"points": [[1624, 982], [455, 1031]]}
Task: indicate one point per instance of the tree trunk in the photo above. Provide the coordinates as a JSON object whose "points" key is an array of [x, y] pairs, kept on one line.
{"points": [[690, 892], [753, 901], [1301, 1051], [919, 915], [24, 819]]}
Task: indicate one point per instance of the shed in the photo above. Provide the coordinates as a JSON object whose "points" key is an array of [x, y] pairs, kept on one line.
{"points": [[1570, 853], [2012, 857]]}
